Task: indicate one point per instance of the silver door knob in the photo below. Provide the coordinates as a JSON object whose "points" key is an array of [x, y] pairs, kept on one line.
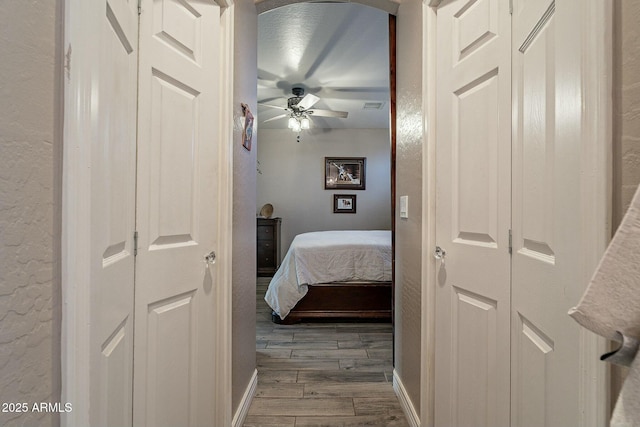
{"points": [[210, 258], [439, 253]]}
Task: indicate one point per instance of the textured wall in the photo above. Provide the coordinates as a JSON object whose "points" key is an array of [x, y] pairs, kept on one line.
{"points": [[29, 208], [626, 120], [244, 202], [410, 70], [626, 105], [291, 179]]}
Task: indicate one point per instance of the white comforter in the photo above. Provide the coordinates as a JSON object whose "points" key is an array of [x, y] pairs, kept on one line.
{"points": [[328, 256]]}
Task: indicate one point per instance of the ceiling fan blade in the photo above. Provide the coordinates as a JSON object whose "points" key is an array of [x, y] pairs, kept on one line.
{"points": [[281, 116], [264, 101], [267, 75], [308, 101], [329, 113], [272, 106], [361, 89]]}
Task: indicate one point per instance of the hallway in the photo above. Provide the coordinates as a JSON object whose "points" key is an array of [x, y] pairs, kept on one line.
{"points": [[323, 374]]}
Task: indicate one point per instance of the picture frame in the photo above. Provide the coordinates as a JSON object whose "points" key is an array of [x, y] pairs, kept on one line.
{"points": [[344, 203], [247, 129], [345, 173]]}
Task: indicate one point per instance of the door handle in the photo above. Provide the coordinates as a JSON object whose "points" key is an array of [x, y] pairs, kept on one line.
{"points": [[439, 253], [210, 258]]}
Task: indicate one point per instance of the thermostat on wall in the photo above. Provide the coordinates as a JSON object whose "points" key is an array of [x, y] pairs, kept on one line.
{"points": [[404, 206]]}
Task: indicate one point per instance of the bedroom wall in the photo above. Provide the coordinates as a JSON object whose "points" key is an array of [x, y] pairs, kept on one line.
{"points": [[291, 174], [30, 203], [408, 183], [244, 204]]}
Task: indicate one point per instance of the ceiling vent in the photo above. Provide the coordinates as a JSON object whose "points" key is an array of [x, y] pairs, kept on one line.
{"points": [[372, 105]]}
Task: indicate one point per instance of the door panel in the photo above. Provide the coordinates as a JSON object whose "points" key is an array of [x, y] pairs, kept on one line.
{"points": [[547, 218], [113, 174], [533, 226], [473, 189], [535, 140], [474, 25], [179, 25], [174, 199], [533, 350], [176, 218], [171, 343], [474, 156], [475, 344]]}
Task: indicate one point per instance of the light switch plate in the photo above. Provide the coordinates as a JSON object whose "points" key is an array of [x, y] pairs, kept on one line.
{"points": [[404, 206]]}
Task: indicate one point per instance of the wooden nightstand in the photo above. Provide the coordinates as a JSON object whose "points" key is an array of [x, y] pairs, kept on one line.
{"points": [[268, 245]]}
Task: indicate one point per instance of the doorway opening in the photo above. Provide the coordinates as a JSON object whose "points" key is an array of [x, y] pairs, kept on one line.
{"points": [[340, 56]]}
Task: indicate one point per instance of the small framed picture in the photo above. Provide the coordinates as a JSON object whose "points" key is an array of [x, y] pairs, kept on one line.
{"points": [[247, 130], [344, 203], [345, 172]]}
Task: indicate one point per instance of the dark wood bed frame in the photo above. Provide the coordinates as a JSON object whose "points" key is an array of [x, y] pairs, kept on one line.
{"points": [[346, 300]]}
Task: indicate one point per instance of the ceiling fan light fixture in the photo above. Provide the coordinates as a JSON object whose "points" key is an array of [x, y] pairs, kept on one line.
{"points": [[305, 123], [296, 127], [299, 110], [292, 122]]}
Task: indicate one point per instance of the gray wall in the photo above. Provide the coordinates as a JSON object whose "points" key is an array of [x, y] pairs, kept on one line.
{"points": [[626, 105], [291, 178], [409, 183], [30, 215], [626, 120], [244, 203]]}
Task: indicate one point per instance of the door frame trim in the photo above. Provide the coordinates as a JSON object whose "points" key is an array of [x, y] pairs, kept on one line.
{"points": [[597, 181], [81, 76], [597, 29], [428, 273], [224, 354]]}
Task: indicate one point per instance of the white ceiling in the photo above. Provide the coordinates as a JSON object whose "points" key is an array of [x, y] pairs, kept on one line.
{"points": [[336, 51]]}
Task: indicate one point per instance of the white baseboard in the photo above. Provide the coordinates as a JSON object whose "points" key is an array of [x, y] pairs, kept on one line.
{"points": [[243, 409], [405, 402]]}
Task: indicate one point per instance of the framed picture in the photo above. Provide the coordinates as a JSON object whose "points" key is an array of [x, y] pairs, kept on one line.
{"points": [[344, 203], [344, 172], [247, 130]]}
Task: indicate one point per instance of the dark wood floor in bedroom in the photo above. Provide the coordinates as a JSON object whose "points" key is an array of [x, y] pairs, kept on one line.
{"points": [[323, 374]]}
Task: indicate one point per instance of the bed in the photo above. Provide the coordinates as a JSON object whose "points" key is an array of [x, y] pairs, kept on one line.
{"points": [[333, 274]]}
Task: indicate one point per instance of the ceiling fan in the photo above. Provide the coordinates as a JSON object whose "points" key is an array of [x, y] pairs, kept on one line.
{"points": [[299, 110]]}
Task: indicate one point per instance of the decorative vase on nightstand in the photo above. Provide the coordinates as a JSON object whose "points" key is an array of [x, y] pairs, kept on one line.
{"points": [[266, 211]]}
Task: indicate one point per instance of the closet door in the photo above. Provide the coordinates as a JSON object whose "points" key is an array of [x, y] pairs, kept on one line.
{"points": [[548, 215], [473, 203], [178, 144], [112, 206]]}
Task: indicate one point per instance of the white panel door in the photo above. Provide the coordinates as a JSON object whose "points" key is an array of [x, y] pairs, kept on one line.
{"points": [[547, 216], [177, 158], [113, 176], [473, 190]]}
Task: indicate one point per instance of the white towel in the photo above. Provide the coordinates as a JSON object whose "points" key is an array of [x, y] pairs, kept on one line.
{"points": [[627, 410], [611, 307], [611, 303]]}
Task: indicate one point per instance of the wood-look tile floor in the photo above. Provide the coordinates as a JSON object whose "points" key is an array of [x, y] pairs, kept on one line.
{"points": [[322, 374]]}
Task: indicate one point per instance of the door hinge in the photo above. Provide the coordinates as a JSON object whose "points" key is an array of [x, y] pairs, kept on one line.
{"points": [[510, 7], [135, 243], [510, 242], [139, 7]]}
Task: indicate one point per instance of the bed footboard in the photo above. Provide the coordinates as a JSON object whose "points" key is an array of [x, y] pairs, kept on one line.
{"points": [[347, 300]]}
